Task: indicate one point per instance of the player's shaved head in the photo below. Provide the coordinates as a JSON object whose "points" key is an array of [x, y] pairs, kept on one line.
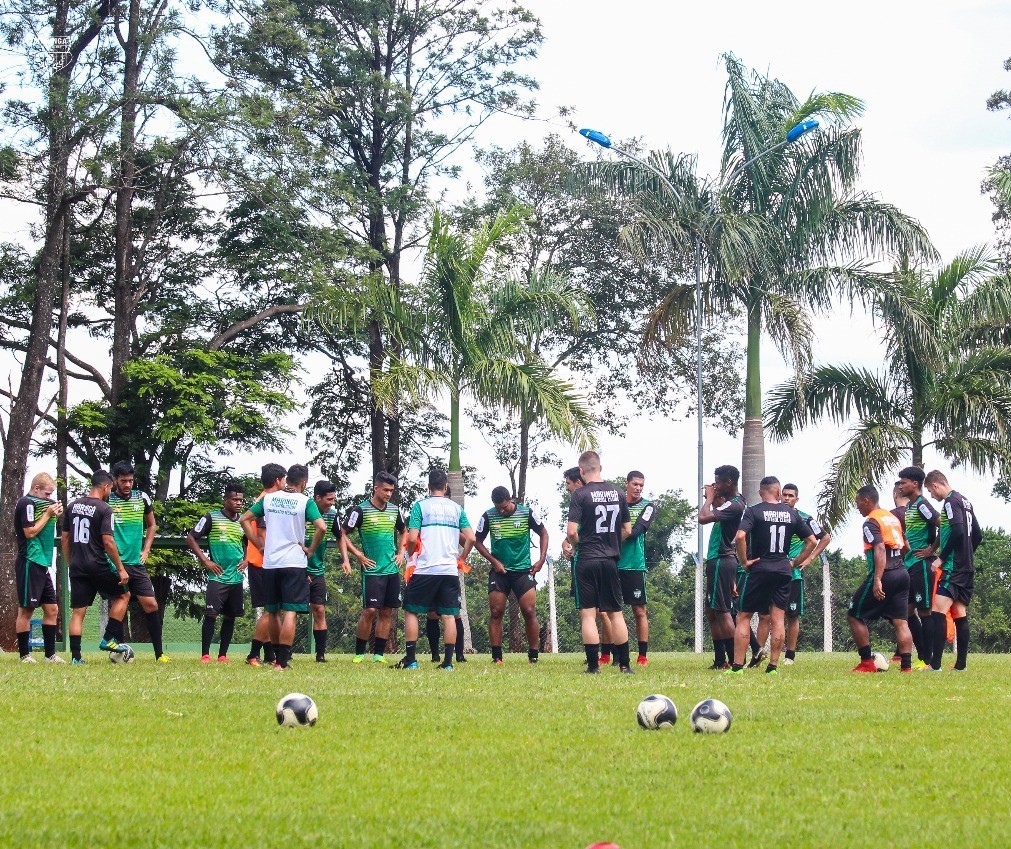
{"points": [[768, 484], [589, 463], [868, 493]]}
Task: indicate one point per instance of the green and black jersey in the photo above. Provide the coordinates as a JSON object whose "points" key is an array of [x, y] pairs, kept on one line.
{"points": [[920, 527], [728, 518], [315, 564], [128, 516], [226, 544], [633, 549], [715, 538], [38, 549], [797, 544], [510, 535], [379, 530]]}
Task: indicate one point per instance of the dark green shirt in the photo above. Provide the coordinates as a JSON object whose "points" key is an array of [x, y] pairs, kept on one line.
{"points": [[128, 524], [797, 544], [510, 535], [225, 544], [316, 564], [379, 532], [633, 550], [919, 526], [38, 549]]}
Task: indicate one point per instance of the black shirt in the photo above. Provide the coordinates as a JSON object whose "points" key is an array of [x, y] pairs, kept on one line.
{"points": [[600, 509], [964, 535], [771, 528], [729, 515], [87, 520]]}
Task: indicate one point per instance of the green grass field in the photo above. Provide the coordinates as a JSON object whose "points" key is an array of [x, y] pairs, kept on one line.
{"points": [[515, 756]]}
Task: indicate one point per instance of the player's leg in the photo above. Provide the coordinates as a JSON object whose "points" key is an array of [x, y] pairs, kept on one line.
{"points": [[319, 630], [942, 604], [742, 637], [904, 640], [641, 631], [606, 641], [410, 660], [777, 616], [449, 649], [50, 613], [261, 638], [23, 627], [74, 630], [27, 601], [285, 638], [114, 632], [713, 619], [528, 610], [446, 600], [960, 615], [862, 638], [496, 612], [370, 610], [610, 602], [383, 621], [207, 634], [225, 638], [792, 637], [432, 633]]}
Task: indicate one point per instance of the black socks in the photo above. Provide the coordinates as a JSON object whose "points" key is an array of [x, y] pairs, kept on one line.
{"points": [[432, 632], [282, 654], [319, 638], [411, 648], [621, 653], [23, 646], [225, 640], [75, 646], [940, 638], [114, 630], [496, 652], [450, 650], [379, 647], [360, 645], [49, 640], [154, 629], [961, 641], [207, 635], [592, 656], [459, 639], [790, 654], [916, 629], [865, 652], [643, 647], [907, 661], [533, 655], [254, 649]]}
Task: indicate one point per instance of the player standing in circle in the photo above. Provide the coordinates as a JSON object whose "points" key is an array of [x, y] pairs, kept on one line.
{"points": [[135, 528], [960, 536], [285, 555], [89, 546], [35, 519], [221, 531], [722, 507], [324, 493], [438, 524], [766, 588], [919, 522], [510, 525], [272, 478], [632, 563], [795, 604], [885, 591], [383, 536], [598, 522]]}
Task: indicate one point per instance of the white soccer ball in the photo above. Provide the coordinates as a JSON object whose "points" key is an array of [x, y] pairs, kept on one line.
{"points": [[881, 662], [711, 716], [125, 656], [296, 710], [656, 712]]}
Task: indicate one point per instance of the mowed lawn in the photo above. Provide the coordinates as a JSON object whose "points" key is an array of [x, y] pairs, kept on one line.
{"points": [[513, 756]]}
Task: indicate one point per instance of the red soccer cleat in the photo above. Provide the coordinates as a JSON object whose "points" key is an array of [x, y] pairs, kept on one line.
{"points": [[896, 658], [865, 666], [906, 670], [498, 662], [605, 659], [206, 658], [223, 658], [642, 660]]}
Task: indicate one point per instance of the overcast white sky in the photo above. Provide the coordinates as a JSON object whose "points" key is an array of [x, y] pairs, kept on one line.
{"points": [[652, 69]]}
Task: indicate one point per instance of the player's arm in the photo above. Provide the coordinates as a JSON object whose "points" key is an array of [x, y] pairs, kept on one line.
{"points": [[741, 539], [542, 533], [643, 522], [933, 519], [109, 544], [480, 535], [400, 532], [248, 522], [879, 568], [319, 534], [33, 528], [191, 541], [823, 537], [956, 533], [706, 513], [150, 528], [65, 546], [806, 553]]}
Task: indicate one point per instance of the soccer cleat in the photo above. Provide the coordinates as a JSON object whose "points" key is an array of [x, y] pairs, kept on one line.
{"points": [[223, 658], [164, 658], [498, 662], [733, 671], [403, 663], [55, 658], [380, 658], [358, 658], [322, 659], [626, 670], [111, 645], [758, 657], [642, 660], [605, 660], [716, 667], [906, 670], [958, 669], [865, 666], [78, 661], [931, 669], [896, 658], [27, 658], [279, 668], [461, 659], [253, 661], [788, 661], [921, 665], [594, 671], [447, 667], [205, 658], [771, 671]]}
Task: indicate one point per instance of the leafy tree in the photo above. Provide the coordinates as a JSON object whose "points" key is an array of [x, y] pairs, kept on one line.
{"points": [[945, 385]]}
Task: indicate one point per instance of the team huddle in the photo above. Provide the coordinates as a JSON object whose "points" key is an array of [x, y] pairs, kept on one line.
{"points": [[920, 566]]}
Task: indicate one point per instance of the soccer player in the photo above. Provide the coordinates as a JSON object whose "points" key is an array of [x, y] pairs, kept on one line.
{"points": [[632, 562], [510, 525], [35, 517], [225, 561], [272, 478], [89, 546], [766, 586], [134, 528], [960, 536], [920, 522], [438, 524], [598, 521], [383, 537], [885, 590], [324, 493], [285, 555], [795, 604], [722, 507]]}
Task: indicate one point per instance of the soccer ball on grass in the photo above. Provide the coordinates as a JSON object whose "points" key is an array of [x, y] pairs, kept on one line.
{"points": [[711, 716], [656, 712], [880, 661], [124, 656], [296, 710]]}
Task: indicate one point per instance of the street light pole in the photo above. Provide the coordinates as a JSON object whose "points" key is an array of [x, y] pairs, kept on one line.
{"points": [[604, 141]]}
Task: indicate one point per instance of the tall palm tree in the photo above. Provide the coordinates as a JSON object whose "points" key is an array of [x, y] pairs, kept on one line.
{"points": [[780, 237], [945, 385]]}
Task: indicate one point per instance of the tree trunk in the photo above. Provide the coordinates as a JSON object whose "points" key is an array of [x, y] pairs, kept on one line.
{"points": [[456, 490], [123, 317], [917, 448], [517, 628], [454, 440], [21, 424], [753, 460]]}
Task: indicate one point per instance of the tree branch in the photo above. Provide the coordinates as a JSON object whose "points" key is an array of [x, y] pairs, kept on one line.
{"points": [[241, 326]]}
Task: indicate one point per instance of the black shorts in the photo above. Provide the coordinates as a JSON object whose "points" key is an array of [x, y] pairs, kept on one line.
{"points": [[598, 585], [140, 581], [761, 590], [633, 586], [921, 585], [286, 589], [517, 583], [440, 593], [795, 603], [895, 604], [84, 587], [721, 572], [317, 589], [383, 591], [957, 585], [257, 586], [35, 584], [224, 599]]}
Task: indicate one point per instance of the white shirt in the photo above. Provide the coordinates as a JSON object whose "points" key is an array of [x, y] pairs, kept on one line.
{"points": [[285, 515]]}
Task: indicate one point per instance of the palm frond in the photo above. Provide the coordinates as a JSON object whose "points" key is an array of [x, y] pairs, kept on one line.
{"points": [[788, 321]]}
